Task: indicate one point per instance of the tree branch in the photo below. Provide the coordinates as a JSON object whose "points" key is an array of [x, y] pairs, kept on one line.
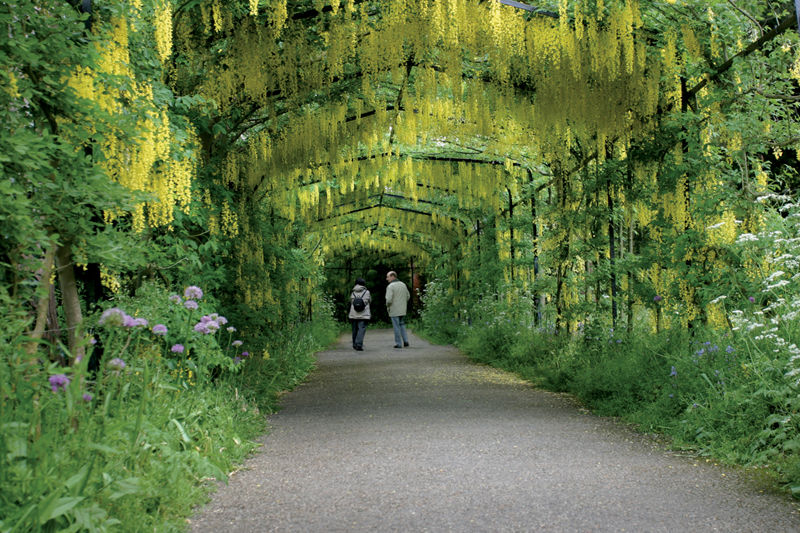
{"points": [[782, 27]]}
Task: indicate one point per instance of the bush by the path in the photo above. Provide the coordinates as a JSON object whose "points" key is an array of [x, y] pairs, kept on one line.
{"points": [[126, 441]]}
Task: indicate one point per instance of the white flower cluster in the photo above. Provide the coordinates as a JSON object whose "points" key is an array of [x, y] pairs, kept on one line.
{"points": [[777, 251]]}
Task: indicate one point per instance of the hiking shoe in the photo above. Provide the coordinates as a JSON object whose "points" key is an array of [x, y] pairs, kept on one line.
{"points": [[405, 344], [396, 346]]}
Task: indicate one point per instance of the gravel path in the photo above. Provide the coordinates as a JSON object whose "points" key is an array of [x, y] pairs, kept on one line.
{"points": [[421, 439]]}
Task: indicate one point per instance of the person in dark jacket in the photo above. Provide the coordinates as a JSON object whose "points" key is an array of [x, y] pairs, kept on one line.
{"points": [[359, 319]]}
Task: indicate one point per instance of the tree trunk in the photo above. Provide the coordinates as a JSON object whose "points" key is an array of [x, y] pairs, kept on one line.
{"points": [[630, 280], [44, 299], [612, 258], [70, 298]]}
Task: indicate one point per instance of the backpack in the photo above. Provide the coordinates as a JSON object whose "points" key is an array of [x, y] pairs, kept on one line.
{"points": [[358, 302]]}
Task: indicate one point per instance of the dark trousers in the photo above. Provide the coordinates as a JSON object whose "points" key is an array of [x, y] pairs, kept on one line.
{"points": [[359, 328]]}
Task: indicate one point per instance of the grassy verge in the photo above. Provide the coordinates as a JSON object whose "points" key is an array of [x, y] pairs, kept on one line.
{"points": [[129, 439]]}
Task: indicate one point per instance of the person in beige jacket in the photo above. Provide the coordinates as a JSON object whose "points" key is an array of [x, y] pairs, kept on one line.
{"points": [[359, 319], [397, 297]]}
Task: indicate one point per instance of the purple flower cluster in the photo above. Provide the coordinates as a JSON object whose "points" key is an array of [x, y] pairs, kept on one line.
{"points": [[112, 317], [116, 364], [160, 329], [191, 305], [58, 382], [131, 322], [210, 324], [116, 317], [177, 348], [193, 293]]}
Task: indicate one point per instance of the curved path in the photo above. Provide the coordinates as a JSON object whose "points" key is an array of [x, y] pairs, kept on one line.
{"points": [[421, 439]]}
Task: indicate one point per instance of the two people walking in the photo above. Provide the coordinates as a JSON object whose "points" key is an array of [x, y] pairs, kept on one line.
{"points": [[397, 297]]}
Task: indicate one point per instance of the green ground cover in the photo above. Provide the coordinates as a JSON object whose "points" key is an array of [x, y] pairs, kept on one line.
{"points": [[135, 440]]}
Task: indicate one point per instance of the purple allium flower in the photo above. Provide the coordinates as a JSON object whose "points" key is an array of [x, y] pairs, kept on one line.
{"points": [[212, 326], [231, 329], [175, 298], [221, 320], [237, 343], [245, 354], [656, 298], [140, 322], [752, 300], [59, 381], [206, 319], [191, 305], [160, 329], [112, 317], [129, 321], [674, 372], [92, 341], [200, 327], [177, 348], [237, 360], [116, 364], [193, 293], [87, 397]]}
